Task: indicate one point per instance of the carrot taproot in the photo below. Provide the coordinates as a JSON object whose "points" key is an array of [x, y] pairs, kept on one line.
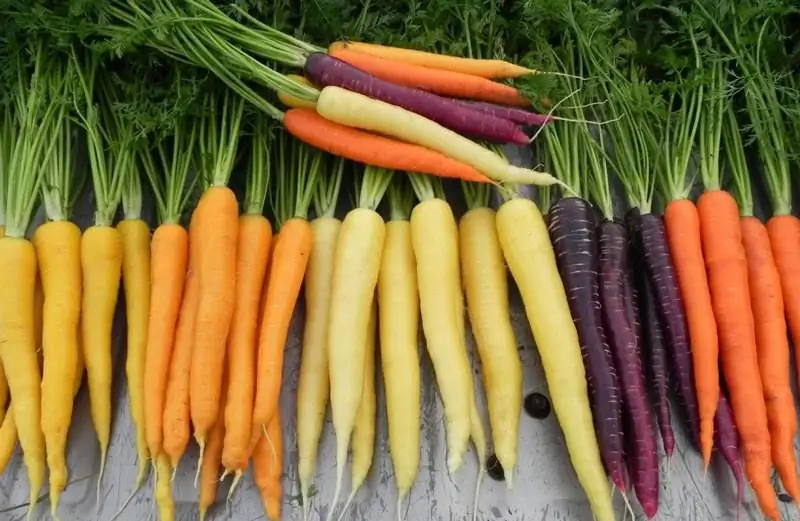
{"points": [[784, 234], [682, 224], [135, 233], [487, 306], [268, 467], [373, 149], [313, 384], [357, 261], [527, 249], [726, 264], [363, 441], [210, 464], [491, 69], [255, 235], [356, 110], [58, 250], [398, 307], [163, 493], [217, 215], [8, 438], [439, 81], [298, 170]]}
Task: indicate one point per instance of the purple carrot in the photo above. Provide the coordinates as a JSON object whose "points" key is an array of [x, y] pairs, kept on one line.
{"points": [[517, 115], [652, 336], [657, 259], [573, 234], [325, 70], [726, 441], [641, 445]]}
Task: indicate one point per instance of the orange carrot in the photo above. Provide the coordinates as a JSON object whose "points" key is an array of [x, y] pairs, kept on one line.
{"points": [[209, 466], [268, 468], [493, 69], [683, 233], [438, 81], [217, 216], [288, 267], [255, 235], [784, 234], [169, 253], [372, 149], [773, 350]]}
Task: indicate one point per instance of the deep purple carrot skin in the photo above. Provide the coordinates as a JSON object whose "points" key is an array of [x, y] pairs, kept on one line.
{"points": [[573, 234], [517, 115], [652, 338], [658, 261], [324, 70], [641, 444], [726, 441]]}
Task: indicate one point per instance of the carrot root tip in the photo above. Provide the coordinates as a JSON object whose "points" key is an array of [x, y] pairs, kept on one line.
{"points": [[202, 444], [236, 479]]}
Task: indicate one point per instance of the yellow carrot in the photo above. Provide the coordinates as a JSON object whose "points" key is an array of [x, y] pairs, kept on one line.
{"points": [[527, 249], [135, 235], [398, 306]]}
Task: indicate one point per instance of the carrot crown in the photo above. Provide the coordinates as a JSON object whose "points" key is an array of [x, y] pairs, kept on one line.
{"points": [[401, 199], [259, 169], [39, 112], [167, 168], [7, 135], [298, 169], [218, 136], [475, 194], [327, 194], [110, 141], [710, 132], [374, 184], [63, 180]]}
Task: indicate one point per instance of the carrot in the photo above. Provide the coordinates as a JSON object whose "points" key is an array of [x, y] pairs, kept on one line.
{"points": [[682, 224], [355, 275], [726, 263], [363, 441], [491, 69], [372, 149], [209, 465], [764, 277], [268, 467], [313, 385], [58, 244], [135, 234], [484, 279], [398, 307], [173, 158], [217, 216], [292, 101], [163, 494], [298, 172], [527, 249], [255, 235], [36, 118], [8, 438], [439, 81], [359, 111], [434, 235]]}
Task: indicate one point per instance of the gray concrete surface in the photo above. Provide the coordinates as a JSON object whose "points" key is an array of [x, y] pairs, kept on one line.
{"points": [[545, 485]]}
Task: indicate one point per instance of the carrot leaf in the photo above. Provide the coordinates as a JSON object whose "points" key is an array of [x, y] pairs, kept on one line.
{"points": [[476, 194], [7, 139], [426, 187], [63, 179], [298, 170], [327, 195], [218, 136], [710, 130]]}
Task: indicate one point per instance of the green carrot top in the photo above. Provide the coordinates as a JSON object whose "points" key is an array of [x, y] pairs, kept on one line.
{"points": [[259, 169], [374, 183], [426, 187], [218, 136], [63, 179], [476, 194], [37, 113], [737, 162], [167, 167], [710, 130], [401, 199], [298, 169], [7, 135], [326, 196]]}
